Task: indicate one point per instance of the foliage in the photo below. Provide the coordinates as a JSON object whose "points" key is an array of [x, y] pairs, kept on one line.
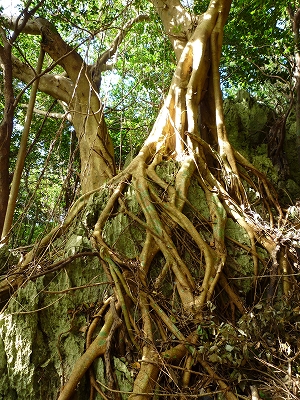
{"points": [[134, 91], [144, 64], [140, 66], [265, 339], [260, 59]]}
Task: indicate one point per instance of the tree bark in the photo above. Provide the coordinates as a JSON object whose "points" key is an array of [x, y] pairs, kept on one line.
{"points": [[6, 128], [95, 145], [81, 94], [295, 19]]}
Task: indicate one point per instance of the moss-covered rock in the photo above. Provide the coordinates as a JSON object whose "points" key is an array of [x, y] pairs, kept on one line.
{"points": [[42, 331], [124, 235], [248, 123], [18, 329]]}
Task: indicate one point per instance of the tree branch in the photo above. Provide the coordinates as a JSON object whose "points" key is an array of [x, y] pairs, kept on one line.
{"points": [[57, 86], [108, 54], [178, 23], [59, 50], [30, 27], [53, 44], [20, 24], [49, 114]]}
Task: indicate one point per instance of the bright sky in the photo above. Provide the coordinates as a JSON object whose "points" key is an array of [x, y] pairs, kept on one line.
{"points": [[9, 6]]}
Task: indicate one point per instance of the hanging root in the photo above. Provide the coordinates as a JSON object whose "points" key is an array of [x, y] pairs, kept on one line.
{"points": [[97, 348], [169, 330], [161, 212]]}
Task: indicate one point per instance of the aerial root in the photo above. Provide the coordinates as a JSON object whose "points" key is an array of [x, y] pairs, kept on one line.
{"points": [[110, 373], [96, 348], [161, 216], [119, 283], [150, 203]]}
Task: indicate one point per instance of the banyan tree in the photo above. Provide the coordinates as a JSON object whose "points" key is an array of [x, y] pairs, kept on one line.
{"points": [[174, 277]]}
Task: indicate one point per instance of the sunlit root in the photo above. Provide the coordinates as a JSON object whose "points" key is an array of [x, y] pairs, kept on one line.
{"points": [[97, 348], [147, 376]]}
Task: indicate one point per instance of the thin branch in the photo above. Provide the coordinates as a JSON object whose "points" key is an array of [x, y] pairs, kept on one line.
{"points": [[267, 75], [108, 54], [23, 22], [49, 114]]}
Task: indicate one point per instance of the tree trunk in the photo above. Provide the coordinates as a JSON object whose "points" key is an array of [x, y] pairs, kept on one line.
{"points": [[95, 145], [6, 128], [153, 248]]}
